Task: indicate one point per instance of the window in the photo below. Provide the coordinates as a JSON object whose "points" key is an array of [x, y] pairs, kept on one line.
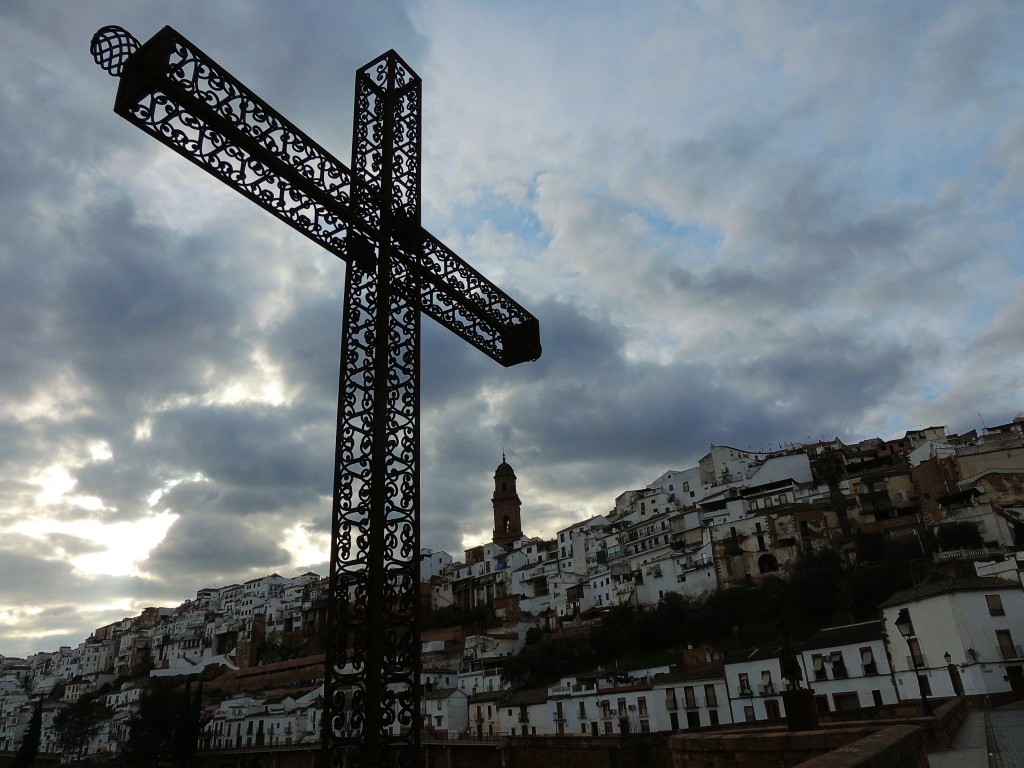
{"points": [[748, 714], [670, 698], [916, 657], [641, 704], [846, 702], [691, 699], [771, 709], [713, 715], [867, 660], [583, 709], [620, 705], [838, 666], [767, 688], [710, 696], [818, 662], [744, 684], [995, 605], [1006, 647]]}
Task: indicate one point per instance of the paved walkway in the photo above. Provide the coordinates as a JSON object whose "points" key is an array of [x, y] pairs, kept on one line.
{"points": [[1005, 729], [988, 739]]}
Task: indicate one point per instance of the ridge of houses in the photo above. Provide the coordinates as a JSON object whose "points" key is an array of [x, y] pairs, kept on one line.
{"points": [[736, 518]]}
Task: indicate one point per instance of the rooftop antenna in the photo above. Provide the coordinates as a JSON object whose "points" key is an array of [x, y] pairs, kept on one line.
{"points": [[983, 424]]}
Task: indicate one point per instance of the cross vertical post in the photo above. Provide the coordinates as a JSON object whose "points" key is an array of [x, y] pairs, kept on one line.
{"points": [[374, 595], [369, 216]]}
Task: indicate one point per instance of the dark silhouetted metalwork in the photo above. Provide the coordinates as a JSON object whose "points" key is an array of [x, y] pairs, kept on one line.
{"points": [[370, 217]]}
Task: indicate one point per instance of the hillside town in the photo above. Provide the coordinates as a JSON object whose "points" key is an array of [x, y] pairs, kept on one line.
{"points": [[735, 520]]}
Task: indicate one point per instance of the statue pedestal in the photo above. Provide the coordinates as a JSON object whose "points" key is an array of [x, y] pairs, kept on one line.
{"points": [[801, 713]]}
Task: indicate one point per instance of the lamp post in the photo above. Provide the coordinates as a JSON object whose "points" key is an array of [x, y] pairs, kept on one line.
{"points": [[906, 628]]}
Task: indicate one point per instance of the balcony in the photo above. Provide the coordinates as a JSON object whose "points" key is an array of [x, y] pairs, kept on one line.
{"points": [[766, 690]]}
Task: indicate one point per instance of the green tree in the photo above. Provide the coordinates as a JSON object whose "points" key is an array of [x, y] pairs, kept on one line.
{"points": [[814, 589], [831, 469], [29, 747], [166, 726], [959, 535], [545, 662], [81, 721]]}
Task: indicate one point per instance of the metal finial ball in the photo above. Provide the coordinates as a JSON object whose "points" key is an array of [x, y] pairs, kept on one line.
{"points": [[111, 48]]}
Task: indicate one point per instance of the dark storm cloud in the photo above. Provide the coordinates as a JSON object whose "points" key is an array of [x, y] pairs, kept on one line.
{"points": [[307, 346], [244, 446], [215, 547], [815, 215], [23, 555], [139, 315]]}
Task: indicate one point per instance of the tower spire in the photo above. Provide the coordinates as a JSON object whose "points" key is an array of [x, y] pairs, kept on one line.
{"points": [[508, 525]]}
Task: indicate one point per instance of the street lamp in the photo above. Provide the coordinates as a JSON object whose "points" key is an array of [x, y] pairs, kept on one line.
{"points": [[906, 628]]}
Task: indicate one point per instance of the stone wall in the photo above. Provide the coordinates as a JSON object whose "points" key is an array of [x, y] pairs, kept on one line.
{"points": [[900, 737], [639, 750], [899, 746]]}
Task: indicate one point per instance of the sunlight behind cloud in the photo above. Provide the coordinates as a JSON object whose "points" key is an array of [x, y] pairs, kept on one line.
{"points": [[124, 544], [303, 547]]}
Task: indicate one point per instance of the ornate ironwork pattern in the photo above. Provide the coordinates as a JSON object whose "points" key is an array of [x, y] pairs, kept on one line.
{"points": [[375, 580], [112, 47], [370, 217]]}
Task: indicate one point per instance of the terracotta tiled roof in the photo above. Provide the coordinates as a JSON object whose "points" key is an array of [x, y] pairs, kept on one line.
{"points": [[844, 635], [526, 697], [690, 674], [945, 586]]}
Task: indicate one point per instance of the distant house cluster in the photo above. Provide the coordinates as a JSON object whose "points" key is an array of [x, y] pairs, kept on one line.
{"points": [[736, 518]]}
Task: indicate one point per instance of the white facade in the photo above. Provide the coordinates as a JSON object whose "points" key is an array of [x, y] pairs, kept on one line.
{"points": [[848, 667], [446, 712], [979, 622]]}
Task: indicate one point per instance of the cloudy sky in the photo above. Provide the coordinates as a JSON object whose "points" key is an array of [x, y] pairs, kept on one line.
{"points": [[738, 223]]}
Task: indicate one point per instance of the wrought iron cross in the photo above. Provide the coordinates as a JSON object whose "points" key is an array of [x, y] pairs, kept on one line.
{"points": [[369, 216]]}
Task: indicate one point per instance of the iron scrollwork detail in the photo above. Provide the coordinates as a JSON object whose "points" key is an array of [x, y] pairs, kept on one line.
{"points": [[369, 216]]}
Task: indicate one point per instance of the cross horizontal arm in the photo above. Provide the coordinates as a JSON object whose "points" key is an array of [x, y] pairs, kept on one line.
{"points": [[181, 97]]}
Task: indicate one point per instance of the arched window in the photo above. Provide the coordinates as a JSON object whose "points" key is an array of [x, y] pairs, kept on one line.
{"points": [[506, 524], [767, 564]]}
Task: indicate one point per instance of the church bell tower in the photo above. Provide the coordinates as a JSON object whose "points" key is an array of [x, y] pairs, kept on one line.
{"points": [[508, 524]]}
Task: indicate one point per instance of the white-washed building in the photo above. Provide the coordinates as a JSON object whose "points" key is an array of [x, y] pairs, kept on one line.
{"points": [[967, 636], [445, 712], [847, 667]]}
